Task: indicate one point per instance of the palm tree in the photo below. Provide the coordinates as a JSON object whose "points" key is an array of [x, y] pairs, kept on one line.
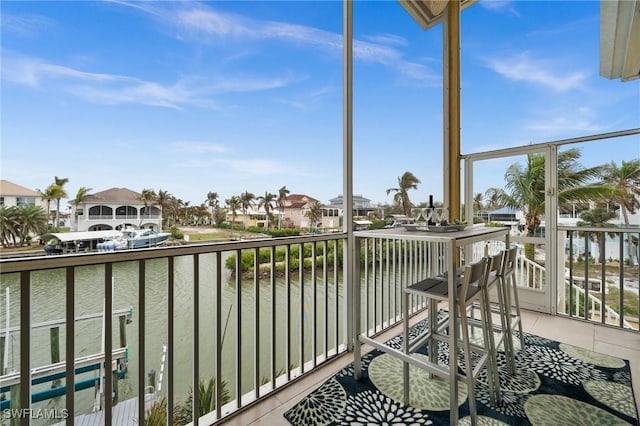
{"points": [[492, 195], [245, 202], [597, 217], [282, 198], [477, 202], [401, 198], [212, 201], [48, 196], [625, 180], [200, 213], [525, 188], [164, 200], [267, 201], [59, 182], [184, 208], [9, 225], [32, 220], [148, 197], [314, 213], [58, 193], [234, 205], [82, 192]]}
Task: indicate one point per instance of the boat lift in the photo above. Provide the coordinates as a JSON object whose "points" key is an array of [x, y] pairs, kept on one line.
{"points": [[56, 371]]}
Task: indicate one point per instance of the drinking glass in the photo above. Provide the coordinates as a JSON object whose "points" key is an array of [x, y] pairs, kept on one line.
{"points": [[441, 216], [416, 213], [427, 214]]}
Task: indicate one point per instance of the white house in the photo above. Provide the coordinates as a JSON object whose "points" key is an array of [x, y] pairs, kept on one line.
{"points": [[114, 208], [12, 194]]}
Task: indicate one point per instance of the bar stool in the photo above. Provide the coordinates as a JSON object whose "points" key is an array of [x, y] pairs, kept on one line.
{"points": [[502, 332], [512, 315], [470, 287]]}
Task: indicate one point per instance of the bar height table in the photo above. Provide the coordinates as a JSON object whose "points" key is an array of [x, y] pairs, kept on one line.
{"points": [[453, 240]]}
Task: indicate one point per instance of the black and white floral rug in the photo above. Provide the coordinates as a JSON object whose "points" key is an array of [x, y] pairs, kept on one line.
{"points": [[555, 384]]}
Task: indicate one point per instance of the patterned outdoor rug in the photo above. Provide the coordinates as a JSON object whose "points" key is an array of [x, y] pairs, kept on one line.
{"points": [[557, 384]]}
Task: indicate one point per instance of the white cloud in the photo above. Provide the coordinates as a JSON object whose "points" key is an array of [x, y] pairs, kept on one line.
{"points": [[523, 67], [25, 25], [501, 6], [571, 120], [388, 39], [564, 125], [109, 89], [200, 23]]}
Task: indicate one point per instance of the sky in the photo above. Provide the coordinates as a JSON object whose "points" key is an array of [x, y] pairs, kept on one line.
{"points": [[233, 96]]}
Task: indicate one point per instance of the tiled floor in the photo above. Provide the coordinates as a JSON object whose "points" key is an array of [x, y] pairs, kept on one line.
{"points": [[589, 336]]}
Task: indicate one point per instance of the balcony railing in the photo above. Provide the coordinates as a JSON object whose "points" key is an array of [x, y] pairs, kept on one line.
{"points": [[249, 329], [598, 269], [247, 316], [121, 216]]}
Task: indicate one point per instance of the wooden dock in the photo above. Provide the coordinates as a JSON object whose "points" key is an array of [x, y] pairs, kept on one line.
{"points": [[124, 413]]}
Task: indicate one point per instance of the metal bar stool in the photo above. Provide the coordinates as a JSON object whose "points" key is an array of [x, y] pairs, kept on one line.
{"points": [[471, 287], [513, 316]]}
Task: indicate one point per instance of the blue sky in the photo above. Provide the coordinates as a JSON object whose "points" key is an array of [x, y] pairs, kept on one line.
{"points": [[192, 97]]}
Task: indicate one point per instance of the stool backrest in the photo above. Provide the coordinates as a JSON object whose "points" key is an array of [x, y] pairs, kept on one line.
{"points": [[509, 265], [495, 262], [474, 274], [494, 268]]}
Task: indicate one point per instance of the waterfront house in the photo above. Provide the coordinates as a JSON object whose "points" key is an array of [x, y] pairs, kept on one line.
{"points": [[332, 212], [362, 206], [12, 194], [253, 217], [114, 208], [294, 212]]}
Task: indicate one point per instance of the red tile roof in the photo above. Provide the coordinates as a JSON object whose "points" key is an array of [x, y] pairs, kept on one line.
{"points": [[298, 201]]}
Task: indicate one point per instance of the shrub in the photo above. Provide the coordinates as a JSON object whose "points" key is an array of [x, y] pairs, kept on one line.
{"points": [[176, 234], [284, 232], [377, 224], [207, 393]]}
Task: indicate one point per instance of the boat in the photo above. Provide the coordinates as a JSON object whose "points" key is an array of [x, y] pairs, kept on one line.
{"points": [[131, 238], [75, 242]]}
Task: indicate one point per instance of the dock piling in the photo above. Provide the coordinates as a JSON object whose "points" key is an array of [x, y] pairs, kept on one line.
{"points": [[152, 379], [2, 366], [54, 338], [122, 320]]}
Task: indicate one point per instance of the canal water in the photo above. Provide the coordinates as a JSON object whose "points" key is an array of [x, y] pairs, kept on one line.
{"points": [[48, 304]]}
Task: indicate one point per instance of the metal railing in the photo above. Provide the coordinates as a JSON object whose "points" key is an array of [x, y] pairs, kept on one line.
{"points": [[387, 267], [284, 299], [610, 281], [258, 314], [599, 265]]}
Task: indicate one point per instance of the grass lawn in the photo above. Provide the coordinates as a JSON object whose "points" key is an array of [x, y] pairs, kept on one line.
{"points": [[612, 268], [218, 236]]}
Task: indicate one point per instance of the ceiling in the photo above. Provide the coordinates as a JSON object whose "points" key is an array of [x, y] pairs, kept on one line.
{"points": [[619, 32], [620, 39], [428, 13]]}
